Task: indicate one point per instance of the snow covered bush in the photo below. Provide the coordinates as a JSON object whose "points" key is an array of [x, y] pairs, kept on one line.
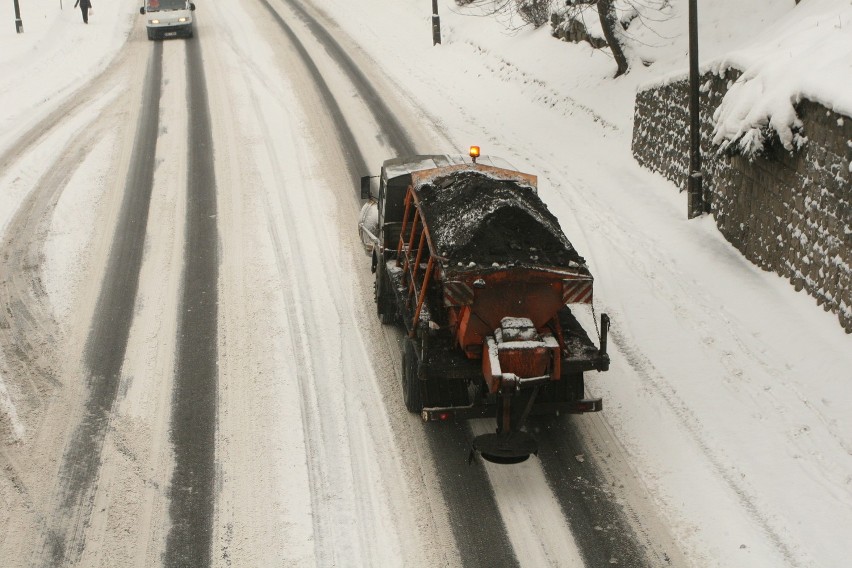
{"points": [[804, 56], [614, 23], [578, 23], [535, 12], [753, 116]]}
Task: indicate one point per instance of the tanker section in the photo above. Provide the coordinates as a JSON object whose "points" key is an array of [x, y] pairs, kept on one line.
{"points": [[476, 270]]}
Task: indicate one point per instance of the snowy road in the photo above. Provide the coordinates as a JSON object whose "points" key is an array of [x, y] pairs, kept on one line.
{"points": [[288, 429], [191, 370]]}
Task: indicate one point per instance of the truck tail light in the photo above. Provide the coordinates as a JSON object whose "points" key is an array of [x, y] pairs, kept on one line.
{"points": [[429, 415]]}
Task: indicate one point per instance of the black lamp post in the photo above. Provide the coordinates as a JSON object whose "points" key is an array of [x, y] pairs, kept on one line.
{"points": [[19, 25], [695, 198], [436, 24]]}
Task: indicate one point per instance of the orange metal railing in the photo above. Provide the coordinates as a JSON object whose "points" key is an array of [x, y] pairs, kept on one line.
{"points": [[411, 262]]}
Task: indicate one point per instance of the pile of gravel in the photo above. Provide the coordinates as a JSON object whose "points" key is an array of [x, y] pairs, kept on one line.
{"points": [[475, 218]]}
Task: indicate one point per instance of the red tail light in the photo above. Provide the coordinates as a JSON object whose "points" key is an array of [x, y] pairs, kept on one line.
{"points": [[588, 405], [436, 415]]}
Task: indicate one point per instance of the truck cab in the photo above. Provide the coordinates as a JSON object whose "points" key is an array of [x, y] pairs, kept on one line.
{"points": [[168, 18]]}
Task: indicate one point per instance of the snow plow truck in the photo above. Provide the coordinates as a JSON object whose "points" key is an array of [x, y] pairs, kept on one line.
{"points": [[477, 272]]}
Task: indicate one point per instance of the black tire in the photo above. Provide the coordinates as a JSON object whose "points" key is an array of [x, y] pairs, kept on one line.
{"points": [[411, 386], [150, 35], [384, 310], [385, 302]]}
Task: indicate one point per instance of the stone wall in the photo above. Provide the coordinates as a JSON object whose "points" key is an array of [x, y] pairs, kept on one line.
{"points": [[790, 213]]}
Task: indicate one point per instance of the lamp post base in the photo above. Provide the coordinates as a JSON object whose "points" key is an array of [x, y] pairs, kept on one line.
{"points": [[695, 197]]}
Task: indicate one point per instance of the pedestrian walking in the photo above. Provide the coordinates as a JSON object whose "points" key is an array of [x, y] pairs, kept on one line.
{"points": [[84, 7]]}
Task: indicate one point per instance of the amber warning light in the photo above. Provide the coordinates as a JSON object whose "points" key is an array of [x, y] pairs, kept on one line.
{"points": [[474, 153]]}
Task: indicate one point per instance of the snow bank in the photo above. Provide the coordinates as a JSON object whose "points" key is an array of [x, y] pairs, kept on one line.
{"points": [[807, 54]]}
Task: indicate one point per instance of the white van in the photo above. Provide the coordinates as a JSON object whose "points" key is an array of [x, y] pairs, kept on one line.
{"points": [[168, 18]]}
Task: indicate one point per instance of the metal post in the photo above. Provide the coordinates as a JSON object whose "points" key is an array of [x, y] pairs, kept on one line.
{"points": [[19, 25], [436, 24], [695, 199]]}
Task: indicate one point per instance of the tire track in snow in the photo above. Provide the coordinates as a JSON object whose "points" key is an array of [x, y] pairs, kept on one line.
{"points": [[604, 527], [339, 448], [465, 526], [194, 406], [26, 316], [107, 341], [537, 528], [347, 489], [626, 241], [395, 132], [467, 491], [471, 493], [30, 336], [354, 158], [332, 468], [655, 380]]}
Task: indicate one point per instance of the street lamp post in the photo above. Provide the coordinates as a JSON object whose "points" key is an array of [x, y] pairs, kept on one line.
{"points": [[695, 198], [19, 25], [436, 24]]}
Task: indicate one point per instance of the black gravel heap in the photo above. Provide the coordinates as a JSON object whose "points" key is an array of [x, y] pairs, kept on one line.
{"points": [[475, 218]]}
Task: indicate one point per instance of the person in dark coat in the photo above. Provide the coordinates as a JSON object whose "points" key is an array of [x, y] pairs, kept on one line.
{"points": [[84, 7]]}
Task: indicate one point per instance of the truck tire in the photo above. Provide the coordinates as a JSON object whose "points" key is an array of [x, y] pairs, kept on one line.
{"points": [[385, 302], [410, 382], [150, 34], [385, 311]]}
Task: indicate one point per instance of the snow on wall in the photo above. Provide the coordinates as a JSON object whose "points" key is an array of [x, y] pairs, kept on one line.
{"points": [[789, 212]]}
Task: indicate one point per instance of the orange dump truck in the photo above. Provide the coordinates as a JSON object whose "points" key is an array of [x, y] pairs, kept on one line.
{"points": [[473, 267]]}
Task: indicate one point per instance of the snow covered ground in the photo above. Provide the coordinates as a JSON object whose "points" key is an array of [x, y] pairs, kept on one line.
{"points": [[729, 390]]}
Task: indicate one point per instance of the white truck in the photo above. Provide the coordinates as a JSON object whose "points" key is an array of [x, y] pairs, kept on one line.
{"points": [[168, 18]]}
